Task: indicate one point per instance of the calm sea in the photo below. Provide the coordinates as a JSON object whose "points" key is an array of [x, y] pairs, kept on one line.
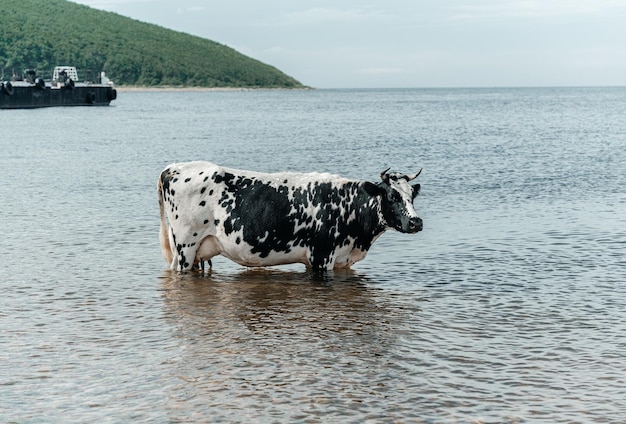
{"points": [[510, 306]]}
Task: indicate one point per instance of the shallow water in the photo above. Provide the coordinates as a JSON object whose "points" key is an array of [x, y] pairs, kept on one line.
{"points": [[508, 307]]}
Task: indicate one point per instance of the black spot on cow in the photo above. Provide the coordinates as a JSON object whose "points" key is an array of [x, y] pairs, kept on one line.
{"points": [[226, 178], [228, 205], [202, 190], [181, 254], [166, 179], [187, 180], [203, 203]]}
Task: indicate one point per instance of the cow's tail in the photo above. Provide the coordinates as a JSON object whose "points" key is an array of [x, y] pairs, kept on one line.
{"points": [[164, 238]]}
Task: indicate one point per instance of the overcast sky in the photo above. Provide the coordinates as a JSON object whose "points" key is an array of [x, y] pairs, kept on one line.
{"points": [[409, 43]]}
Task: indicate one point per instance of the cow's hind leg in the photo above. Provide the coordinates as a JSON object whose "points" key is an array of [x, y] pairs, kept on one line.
{"points": [[184, 253], [182, 260]]}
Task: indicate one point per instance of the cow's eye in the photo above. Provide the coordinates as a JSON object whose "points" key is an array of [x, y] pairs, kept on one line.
{"points": [[394, 197]]}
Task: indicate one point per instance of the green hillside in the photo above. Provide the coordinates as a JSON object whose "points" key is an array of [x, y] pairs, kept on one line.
{"points": [[43, 34]]}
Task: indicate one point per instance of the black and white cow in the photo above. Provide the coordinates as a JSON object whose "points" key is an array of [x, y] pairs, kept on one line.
{"points": [[321, 220]]}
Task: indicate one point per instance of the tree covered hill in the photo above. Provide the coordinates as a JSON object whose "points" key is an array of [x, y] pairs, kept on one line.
{"points": [[40, 35]]}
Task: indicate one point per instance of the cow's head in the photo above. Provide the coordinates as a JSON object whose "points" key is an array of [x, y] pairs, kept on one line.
{"points": [[397, 197]]}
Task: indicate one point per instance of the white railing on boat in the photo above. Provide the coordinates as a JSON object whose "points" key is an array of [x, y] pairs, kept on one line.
{"points": [[70, 71]]}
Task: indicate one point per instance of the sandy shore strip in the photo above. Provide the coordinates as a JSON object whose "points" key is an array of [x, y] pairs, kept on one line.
{"points": [[133, 88]]}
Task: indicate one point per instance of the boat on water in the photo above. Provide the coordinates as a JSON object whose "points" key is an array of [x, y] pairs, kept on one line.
{"points": [[64, 89]]}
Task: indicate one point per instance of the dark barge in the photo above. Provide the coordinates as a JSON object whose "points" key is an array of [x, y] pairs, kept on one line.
{"points": [[31, 91]]}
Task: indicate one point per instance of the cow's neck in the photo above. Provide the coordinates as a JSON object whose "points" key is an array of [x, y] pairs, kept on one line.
{"points": [[371, 220]]}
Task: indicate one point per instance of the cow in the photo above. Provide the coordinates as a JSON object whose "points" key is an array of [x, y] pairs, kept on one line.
{"points": [[258, 219]]}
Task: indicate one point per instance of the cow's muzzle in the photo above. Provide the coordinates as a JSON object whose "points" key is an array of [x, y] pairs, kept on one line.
{"points": [[415, 225]]}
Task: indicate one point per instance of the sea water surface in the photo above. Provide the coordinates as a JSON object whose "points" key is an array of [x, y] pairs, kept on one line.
{"points": [[510, 305]]}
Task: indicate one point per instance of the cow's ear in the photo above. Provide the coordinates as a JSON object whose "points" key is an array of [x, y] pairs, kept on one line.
{"points": [[373, 189], [416, 190]]}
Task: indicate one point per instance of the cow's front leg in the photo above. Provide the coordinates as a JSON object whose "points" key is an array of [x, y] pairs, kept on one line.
{"points": [[322, 262]]}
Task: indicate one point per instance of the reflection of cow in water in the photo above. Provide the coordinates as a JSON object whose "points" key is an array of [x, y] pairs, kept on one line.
{"points": [[223, 306], [256, 219]]}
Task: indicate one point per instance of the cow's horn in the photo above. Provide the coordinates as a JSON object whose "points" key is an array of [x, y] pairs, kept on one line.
{"points": [[384, 176], [414, 176]]}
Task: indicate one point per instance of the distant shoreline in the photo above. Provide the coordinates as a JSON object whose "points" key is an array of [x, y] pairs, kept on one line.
{"points": [[135, 88]]}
